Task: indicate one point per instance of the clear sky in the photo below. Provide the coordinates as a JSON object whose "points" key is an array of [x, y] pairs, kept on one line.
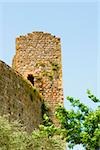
{"points": [[76, 23]]}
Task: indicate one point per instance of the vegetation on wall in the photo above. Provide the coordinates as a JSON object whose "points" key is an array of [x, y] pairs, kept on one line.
{"points": [[44, 109], [55, 66]]}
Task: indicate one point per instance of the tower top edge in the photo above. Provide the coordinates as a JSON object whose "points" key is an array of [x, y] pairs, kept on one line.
{"points": [[37, 33]]}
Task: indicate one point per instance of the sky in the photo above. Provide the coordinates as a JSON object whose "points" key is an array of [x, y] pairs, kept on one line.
{"points": [[75, 22]]}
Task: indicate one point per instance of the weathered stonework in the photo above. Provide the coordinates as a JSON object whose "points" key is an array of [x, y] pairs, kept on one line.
{"points": [[19, 99], [39, 54]]}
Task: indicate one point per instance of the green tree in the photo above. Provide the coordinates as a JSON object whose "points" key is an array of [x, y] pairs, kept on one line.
{"points": [[82, 124]]}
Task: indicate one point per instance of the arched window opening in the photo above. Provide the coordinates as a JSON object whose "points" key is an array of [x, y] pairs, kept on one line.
{"points": [[31, 78]]}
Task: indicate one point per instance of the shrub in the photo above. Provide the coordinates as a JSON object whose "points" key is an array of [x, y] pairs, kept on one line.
{"points": [[14, 137]]}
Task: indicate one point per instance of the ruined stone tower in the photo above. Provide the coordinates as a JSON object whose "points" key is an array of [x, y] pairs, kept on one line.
{"points": [[38, 59]]}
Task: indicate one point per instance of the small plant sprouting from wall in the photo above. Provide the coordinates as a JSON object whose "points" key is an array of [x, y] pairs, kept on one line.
{"points": [[55, 66], [50, 77], [45, 114], [44, 109], [44, 73], [40, 64], [48, 74]]}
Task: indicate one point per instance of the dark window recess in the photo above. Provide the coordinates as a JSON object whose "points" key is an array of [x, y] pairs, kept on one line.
{"points": [[31, 78]]}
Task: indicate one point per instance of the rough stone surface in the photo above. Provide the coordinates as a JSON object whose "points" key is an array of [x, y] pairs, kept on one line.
{"points": [[39, 54], [19, 99]]}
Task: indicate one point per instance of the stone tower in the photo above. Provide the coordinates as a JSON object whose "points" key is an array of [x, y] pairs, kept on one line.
{"points": [[38, 59]]}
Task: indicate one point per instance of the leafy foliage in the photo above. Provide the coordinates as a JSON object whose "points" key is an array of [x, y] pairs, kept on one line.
{"points": [[43, 142], [82, 124], [13, 137], [51, 130]]}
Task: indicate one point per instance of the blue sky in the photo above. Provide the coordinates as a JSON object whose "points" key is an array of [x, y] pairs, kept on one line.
{"points": [[76, 23]]}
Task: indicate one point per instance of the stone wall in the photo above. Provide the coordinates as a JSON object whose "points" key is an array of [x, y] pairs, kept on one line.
{"points": [[39, 54], [19, 99]]}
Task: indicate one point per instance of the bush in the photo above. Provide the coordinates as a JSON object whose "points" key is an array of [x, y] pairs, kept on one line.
{"points": [[14, 137]]}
